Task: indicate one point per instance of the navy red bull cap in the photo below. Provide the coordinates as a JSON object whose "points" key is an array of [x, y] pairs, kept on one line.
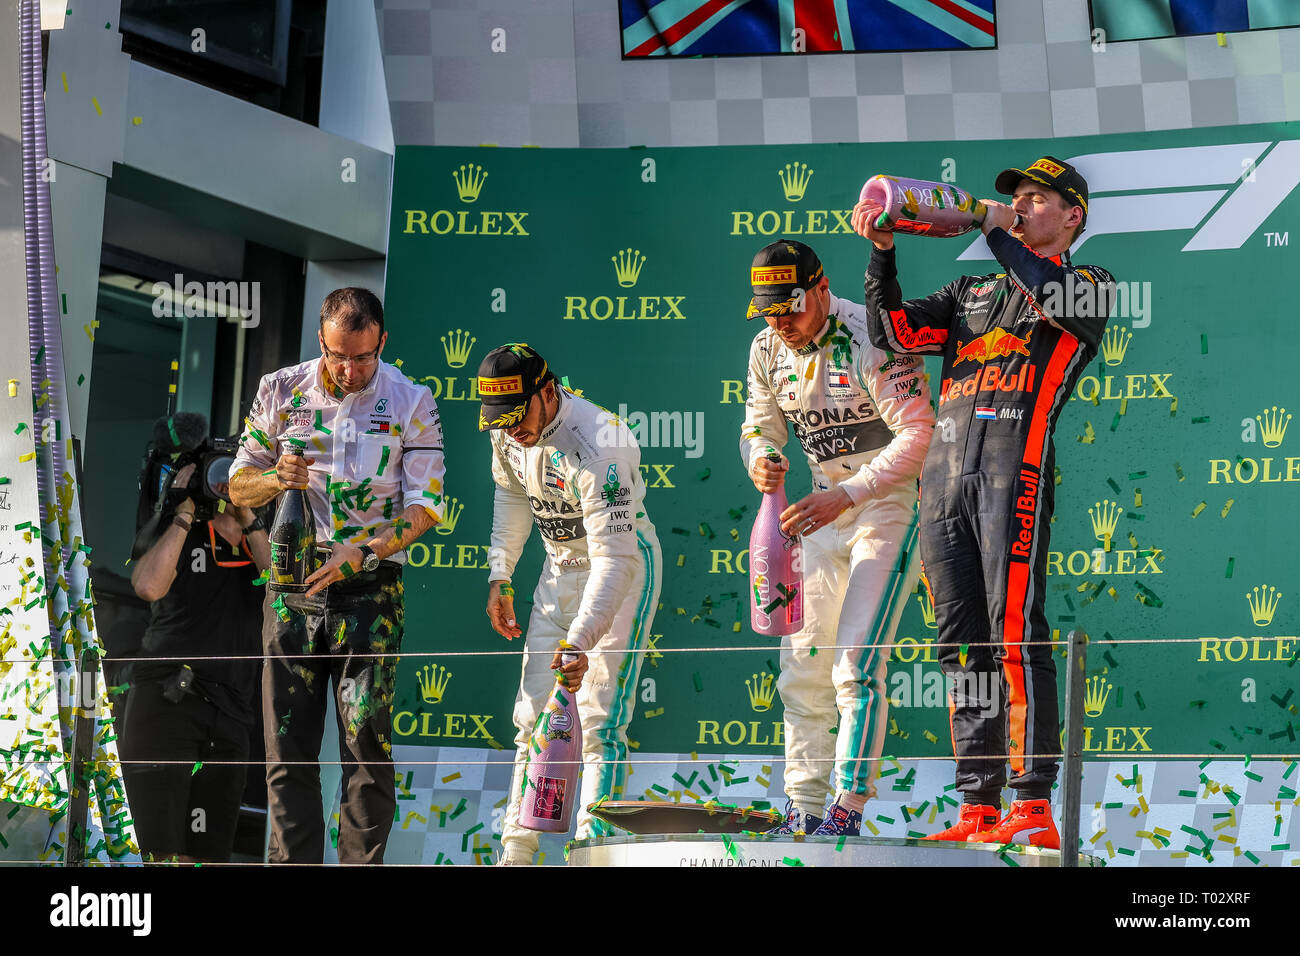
{"points": [[1054, 173]]}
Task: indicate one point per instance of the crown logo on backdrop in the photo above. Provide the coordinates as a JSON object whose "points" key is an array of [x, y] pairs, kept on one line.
{"points": [[1095, 694], [1115, 343], [627, 266], [927, 603], [433, 679], [456, 346], [448, 525], [1105, 516], [794, 180], [469, 181], [1273, 425], [1263, 601], [762, 692]]}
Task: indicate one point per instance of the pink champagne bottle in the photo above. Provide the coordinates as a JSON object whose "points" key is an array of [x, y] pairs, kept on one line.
{"points": [[554, 758], [923, 208], [775, 569]]}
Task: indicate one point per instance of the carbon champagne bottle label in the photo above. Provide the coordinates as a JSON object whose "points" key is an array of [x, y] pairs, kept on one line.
{"points": [[922, 207], [775, 570]]}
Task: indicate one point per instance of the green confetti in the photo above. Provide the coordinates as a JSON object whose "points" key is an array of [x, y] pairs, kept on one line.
{"points": [[1228, 573], [1205, 344]]}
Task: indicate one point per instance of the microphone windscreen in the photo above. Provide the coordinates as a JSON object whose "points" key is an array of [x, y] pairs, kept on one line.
{"points": [[184, 431]]}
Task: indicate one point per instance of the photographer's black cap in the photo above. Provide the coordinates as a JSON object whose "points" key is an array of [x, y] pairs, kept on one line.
{"points": [[507, 378], [1053, 173], [778, 274]]}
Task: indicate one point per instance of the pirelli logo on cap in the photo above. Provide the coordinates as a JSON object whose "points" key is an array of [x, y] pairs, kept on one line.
{"points": [[772, 275], [1049, 167], [506, 385]]}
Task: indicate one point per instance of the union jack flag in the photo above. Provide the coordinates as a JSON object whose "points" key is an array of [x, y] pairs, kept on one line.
{"points": [[764, 27]]}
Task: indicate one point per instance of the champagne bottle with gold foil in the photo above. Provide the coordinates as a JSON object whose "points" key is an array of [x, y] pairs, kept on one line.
{"points": [[293, 538]]}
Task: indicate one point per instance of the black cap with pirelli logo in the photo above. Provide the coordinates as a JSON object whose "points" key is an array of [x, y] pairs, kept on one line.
{"points": [[507, 378], [1054, 173], [779, 275]]}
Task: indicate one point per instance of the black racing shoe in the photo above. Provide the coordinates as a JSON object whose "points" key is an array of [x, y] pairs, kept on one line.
{"points": [[796, 822]]}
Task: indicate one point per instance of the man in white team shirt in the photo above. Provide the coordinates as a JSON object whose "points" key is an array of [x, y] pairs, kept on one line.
{"points": [[373, 471], [572, 469], [864, 420]]}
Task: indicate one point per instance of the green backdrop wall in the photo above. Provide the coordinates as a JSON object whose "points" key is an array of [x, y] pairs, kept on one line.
{"points": [[1172, 541]]}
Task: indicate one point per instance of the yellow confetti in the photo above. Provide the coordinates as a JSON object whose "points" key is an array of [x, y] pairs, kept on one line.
{"points": [[1198, 509], [27, 457], [1222, 38], [1227, 506], [13, 388], [137, 120], [64, 77], [95, 102]]}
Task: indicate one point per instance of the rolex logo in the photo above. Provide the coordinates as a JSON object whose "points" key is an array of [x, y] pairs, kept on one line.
{"points": [[433, 680], [627, 266], [1115, 343], [1105, 516], [456, 345], [924, 599], [794, 180], [762, 692], [1273, 425], [448, 525], [469, 181], [1096, 692], [1263, 601]]}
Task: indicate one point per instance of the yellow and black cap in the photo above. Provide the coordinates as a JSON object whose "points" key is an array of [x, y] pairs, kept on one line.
{"points": [[508, 377], [779, 275], [1053, 173]]}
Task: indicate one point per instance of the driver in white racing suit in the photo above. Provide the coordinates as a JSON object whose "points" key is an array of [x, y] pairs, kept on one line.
{"points": [[572, 469], [864, 420]]}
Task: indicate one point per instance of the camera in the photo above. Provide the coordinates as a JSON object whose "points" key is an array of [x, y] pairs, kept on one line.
{"points": [[212, 461], [180, 440]]}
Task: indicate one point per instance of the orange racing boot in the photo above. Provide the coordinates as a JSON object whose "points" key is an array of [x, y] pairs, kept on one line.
{"points": [[973, 818], [1029, 822]]}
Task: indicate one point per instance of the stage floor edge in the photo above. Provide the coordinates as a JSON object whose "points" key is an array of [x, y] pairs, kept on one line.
{"points": [[712, 850]]}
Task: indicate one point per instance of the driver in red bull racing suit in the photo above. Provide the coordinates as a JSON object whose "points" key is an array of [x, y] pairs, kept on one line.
{"points": [[1014, 343]]}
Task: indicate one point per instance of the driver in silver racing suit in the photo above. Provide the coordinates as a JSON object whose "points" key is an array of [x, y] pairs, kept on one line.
{"points": [[864, 420]]}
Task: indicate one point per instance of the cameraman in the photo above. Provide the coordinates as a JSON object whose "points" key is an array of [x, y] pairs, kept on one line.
{"points": [[188, 709]]}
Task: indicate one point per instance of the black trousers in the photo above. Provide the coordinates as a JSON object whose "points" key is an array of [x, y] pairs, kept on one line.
{"points": [[352, 642], [984, 541], [177, 808]]}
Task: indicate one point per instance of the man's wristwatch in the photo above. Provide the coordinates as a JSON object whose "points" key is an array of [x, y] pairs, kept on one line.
{"points": [[369, 560], [257, 525]]}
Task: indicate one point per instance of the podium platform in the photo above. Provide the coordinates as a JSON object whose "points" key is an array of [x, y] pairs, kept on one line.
{"points": [[707, 849]]}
